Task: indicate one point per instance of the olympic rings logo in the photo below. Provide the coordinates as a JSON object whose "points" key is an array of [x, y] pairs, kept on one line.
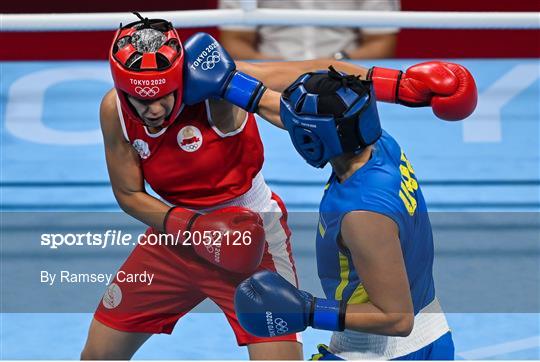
{"points": [[189, 138], [147, 91], [281, 326], [211, 61], [192, 147]]}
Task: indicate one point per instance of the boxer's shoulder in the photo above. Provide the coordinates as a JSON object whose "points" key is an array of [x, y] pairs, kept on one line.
{"points": [[226, 116], [108, 115], [108, 107]]}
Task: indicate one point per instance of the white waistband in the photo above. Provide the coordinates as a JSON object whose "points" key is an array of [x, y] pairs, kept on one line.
{"points": [[429, 324], [259, 199], [256, 198]]}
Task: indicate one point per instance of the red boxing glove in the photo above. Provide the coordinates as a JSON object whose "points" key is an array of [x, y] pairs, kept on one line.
{"points": [[448, 88], [232, 238]]}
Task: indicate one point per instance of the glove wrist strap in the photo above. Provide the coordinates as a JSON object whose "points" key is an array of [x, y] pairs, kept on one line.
{"points": [[328, 314], [386, 83], [178, 219], [244, 91]]}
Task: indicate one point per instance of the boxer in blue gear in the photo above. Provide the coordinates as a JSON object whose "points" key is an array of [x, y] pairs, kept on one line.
{"points": [[374, 239]]}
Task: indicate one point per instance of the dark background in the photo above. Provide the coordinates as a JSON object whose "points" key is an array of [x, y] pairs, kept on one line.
{"points": [[413, 43]]}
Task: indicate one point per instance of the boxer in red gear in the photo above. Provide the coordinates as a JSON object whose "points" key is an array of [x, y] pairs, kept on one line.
{"points": [[204, 161]]}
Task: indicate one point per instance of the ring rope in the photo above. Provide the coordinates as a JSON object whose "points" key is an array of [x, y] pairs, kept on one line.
{"points": [[260, 16]]}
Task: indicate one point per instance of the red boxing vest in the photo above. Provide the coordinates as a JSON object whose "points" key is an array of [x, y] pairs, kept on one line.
{"points": [[193, 164]]}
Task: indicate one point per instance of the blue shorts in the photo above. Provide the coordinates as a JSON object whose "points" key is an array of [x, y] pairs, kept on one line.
{"points": [[442, 349]]}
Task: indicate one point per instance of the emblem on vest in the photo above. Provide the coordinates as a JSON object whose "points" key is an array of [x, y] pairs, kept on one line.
{"points": [[142, 148], [112, 297], [189, 138]]}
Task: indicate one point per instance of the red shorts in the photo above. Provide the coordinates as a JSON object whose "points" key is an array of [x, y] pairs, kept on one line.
{"points": [[182, 280]]}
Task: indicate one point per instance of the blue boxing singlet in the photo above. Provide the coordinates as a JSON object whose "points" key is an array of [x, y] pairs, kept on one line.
{"points": [[386, 184]]}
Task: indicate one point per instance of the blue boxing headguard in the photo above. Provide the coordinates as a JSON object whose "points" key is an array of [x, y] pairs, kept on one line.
{"points": [[328, 114]]}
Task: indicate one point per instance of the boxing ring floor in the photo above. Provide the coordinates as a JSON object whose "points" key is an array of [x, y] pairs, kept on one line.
{"points": [[481, 179]]}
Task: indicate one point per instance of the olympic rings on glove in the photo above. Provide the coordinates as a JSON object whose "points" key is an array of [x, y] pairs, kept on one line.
{"points": [[281, 326], [211, 61]]}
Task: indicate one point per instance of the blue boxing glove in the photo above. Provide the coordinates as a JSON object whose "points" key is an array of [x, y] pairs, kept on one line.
{"points": [[267, 306], [209, 71]]}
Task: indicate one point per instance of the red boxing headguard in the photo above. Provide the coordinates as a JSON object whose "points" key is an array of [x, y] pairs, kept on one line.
{"points": [[146, 61]]}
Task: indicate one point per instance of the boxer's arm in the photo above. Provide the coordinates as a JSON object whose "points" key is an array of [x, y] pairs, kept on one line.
{"points": [[374, 245], [279, 75], [373, 242], [124, 169], [269, 108], [228, 117]]}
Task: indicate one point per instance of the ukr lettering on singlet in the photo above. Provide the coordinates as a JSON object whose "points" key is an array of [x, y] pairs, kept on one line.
{"points": [[409, 184]]}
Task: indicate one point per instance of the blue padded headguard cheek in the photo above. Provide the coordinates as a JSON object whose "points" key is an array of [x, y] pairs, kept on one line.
{"points": [[313, 150], [309, 145], [285, 113]]}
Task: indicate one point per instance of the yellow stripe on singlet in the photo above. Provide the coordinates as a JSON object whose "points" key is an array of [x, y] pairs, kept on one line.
{"points": [[360, 294], [344, 275], [322, 231]]}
